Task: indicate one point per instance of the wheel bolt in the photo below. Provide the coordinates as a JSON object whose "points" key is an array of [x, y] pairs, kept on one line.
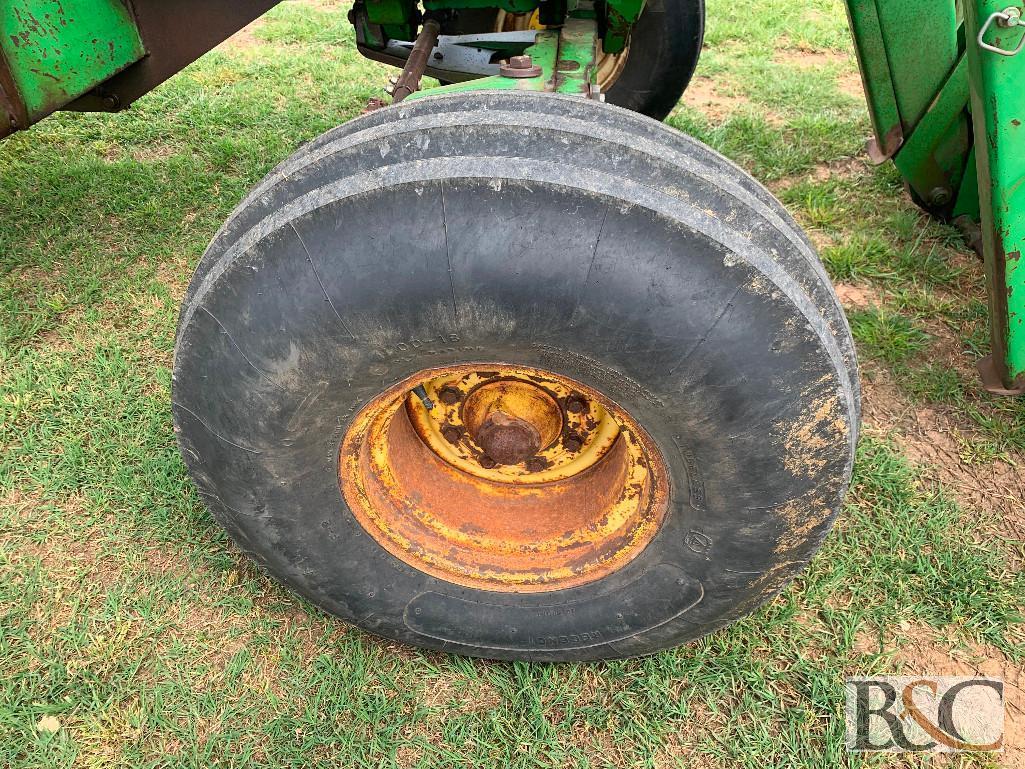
{"points": [[450, 395], [519, 66], [486, 462], [452, 433], [576, 404], [536, 464]]}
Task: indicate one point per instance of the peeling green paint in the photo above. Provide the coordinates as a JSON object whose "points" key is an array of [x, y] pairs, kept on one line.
{"points": [[58, 50]]}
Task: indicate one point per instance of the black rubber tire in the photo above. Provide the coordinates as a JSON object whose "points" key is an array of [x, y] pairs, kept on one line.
{"points": [[663, 145], [664, 50], [538, 230]]}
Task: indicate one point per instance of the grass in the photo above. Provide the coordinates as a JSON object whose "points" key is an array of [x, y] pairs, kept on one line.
{"points": [[126, 614]]}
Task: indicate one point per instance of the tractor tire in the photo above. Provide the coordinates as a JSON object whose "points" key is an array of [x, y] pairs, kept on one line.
{"points": [[550, 243], [664, 49]]}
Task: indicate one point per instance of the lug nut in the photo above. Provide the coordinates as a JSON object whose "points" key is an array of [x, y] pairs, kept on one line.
{"points": [[519, 66], [940, 196], [451, 433], [486, 462], [449, 395], [576, 404], [572, 443], [536, 464]]}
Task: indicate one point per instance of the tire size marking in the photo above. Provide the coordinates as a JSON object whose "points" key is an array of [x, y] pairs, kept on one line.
{"points": [[428, 345], [694, 482], [576, 639], [614, 381]]}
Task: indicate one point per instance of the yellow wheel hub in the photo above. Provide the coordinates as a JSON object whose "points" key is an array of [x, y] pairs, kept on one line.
{"points": [[503, 477]]}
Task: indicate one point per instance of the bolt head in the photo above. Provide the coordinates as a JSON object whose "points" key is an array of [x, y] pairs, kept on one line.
{"points": [[521, 62], [450, 395], [1011, 18], [573, 443], [940, 196]]}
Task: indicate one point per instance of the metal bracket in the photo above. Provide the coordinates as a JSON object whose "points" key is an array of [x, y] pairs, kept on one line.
{"points": [[1008, 18], [457, 58]]}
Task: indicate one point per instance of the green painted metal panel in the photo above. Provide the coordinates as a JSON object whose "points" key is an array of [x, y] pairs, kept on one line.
{"points": [[907, 50], [934, 157], [968, 197], [621, 15], [998, 112], [921, 47], [397, 17], [58, 50], [512, 6]]}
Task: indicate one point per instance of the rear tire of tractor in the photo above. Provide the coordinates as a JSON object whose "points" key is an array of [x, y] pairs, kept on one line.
{"points": [[460, 230]]}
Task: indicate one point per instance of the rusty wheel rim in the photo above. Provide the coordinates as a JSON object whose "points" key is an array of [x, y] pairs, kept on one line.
{"points": [[610, 65], [504, 478]]}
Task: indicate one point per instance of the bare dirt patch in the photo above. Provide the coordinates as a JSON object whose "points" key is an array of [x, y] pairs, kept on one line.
{"points": [[848, 79], [849, 84], [843, 169], [806, 58], [857, 297], [154, 153], [175, 274], [717, 103], [940, 440], [243, 39]]}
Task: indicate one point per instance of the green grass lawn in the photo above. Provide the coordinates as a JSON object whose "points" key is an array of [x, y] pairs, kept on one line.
{"points": [[132, 633]]}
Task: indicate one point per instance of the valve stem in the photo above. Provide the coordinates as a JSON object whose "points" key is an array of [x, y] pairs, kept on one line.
{"points": [[421, 393]]}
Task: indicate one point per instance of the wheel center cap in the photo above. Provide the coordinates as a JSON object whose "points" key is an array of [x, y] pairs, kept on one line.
{"points": [[507, 439]]}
